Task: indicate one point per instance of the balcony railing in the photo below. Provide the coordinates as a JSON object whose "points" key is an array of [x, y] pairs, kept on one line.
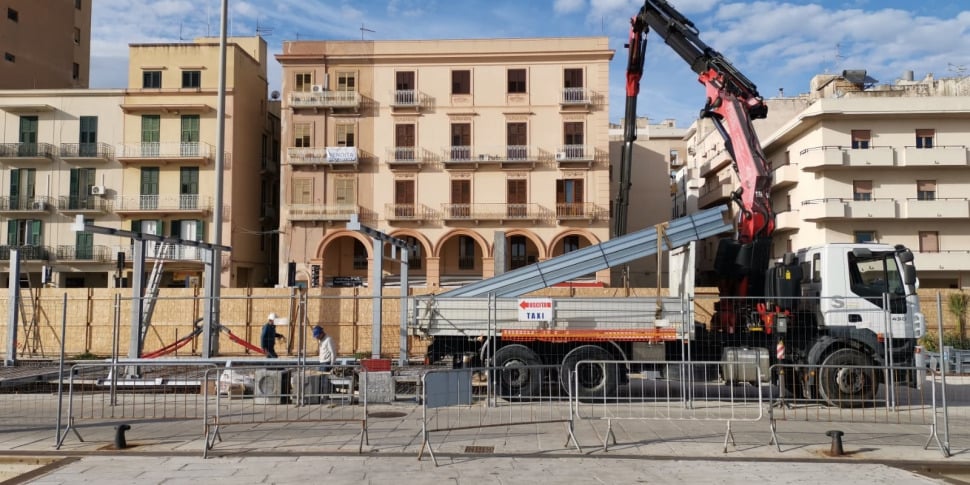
{"points": [[872, 209], [937, 209], [87, 151], [816, 209], [27, 151], [83, 203], [325, 99], [576, 96], [407, 212], [96, 254], [882, 156], [784, 176], [491, 212], [939, 156], [154, 151], [408, 98], [306, 155], [520, 155], [787, 221], [27, 252], [329, 212], [952, 260], [822, 156], [25, 204], [566, 154], [578, 211], [155, 203]]}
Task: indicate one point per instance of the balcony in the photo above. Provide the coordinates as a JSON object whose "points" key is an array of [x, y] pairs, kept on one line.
{"points": [[186, 204], [717, 160], [408, 213], [86, 152], [407, 158], [333, 157], [578, 211], [27, 252], [504, 156], [155, 153], [85, 204], [323, 213], [576, 156], [85, 254], [408, 100], [956, 260], [787, 221], [821, 157], [576, 97], [871, 157], [937, 209], [25, 205], [332, 100], [491, 212], [715, 192], [821, 209], [784, 176], [941, 156], [27, 152], [871, 209]]}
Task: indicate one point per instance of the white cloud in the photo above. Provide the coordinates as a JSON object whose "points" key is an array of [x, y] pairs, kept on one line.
{"points": [[568, 6]]}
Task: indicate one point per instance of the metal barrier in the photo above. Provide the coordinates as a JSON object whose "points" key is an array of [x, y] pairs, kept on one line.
{"points": [[484, 397], [860, 394], [133, 390], [700, 394], [285, 394]]}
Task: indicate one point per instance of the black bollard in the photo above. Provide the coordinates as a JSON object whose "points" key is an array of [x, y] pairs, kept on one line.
{"points": [[120, 442], [836, 436]]}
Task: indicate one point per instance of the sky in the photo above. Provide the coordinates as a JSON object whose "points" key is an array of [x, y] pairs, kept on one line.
{"points": [[778, 45]]}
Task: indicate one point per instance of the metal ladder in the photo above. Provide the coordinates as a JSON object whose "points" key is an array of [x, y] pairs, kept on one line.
{"points": [[151, 292]]}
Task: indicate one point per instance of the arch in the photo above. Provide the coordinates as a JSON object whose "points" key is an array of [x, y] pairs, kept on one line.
{"points": [[531, 236], [330, 237], [426, 245], [482, 243], [589, 236]]}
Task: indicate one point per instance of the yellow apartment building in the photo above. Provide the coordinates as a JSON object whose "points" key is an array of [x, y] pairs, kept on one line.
{"points": [[486, 154], [853, 161], [45, 44]]}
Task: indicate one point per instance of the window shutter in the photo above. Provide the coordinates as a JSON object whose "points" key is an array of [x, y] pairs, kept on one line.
{"points": [[200, 230], [14, 186], [160, 231], [35, 234], [12, 233], [136, 225], [176, 228]]}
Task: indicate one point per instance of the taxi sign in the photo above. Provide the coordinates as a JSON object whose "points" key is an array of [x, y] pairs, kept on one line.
{"points": [[535, 309]]}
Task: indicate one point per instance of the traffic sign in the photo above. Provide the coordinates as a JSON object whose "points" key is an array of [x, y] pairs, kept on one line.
{"points": [[535, 309]]}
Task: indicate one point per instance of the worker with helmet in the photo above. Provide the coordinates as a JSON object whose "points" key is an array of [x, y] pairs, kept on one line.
{"points": [[268, 337]]}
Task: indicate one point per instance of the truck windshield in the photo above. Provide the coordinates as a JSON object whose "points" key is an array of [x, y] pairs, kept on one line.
{"points": [[875, 275]]}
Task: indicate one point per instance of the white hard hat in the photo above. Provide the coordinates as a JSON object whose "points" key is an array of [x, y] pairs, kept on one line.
{"points": [[271, 316]]}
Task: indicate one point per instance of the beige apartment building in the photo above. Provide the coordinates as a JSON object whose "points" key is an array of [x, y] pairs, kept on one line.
{"points": [[45, 44], [854, 162], [486, 154], [143, 159]]}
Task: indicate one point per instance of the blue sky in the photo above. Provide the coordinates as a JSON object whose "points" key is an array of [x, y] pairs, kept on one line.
{"points": [[777, 44]]}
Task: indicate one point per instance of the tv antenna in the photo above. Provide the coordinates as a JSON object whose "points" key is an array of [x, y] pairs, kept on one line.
{"points": [[364, 29], [957, 68], [263, 31]]}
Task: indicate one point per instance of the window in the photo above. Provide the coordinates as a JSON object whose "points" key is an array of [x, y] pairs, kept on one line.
{"points": [[76, 71], [150, 135], [674, 158], [466, 252], [302, 193], [404, 198], [304, 82], [404, 142], [461, 198], [24, 232], [22, 186], [404, 88], [862, 190], [192, 79], [929, 242], [151, 79], [84, 243], [461, 140], [347, 81], [461, 82], [345, 135], [573, 139], [817, 268], [81, 181], [77, 36], [13, 15], [301, 135], [516, 81], [572, 78], [345, 192], [189, 146], [569, 198], [414, 258], [924, 138], [926, 190], [28, 136], [516, 141], [516, 197], [149, 188], [188, 187], [570, 244], [861, 138], [360, 255], [864, 236], [9, 57], [517, 252]]}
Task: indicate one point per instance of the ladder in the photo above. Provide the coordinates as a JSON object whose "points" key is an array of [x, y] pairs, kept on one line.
{"points": [[29, 303], [151, 291]]}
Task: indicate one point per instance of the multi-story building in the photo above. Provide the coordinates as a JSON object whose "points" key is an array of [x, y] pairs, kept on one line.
{"points": [[860, 162], [486, 154], [45, 45], [658, 153], [143, 159]]}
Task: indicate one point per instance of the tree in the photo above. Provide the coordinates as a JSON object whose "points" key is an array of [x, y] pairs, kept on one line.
{"points": [[957, 305]]}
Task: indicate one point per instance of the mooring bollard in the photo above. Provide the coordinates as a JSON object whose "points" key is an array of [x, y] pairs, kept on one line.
{"points": [[836, 436], [120, 442]]}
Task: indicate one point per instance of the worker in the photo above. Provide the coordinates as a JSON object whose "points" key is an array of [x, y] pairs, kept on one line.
{"points": [[268, 337], [327, 354]]}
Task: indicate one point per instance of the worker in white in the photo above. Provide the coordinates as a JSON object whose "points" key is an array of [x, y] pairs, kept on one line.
{"points": [[327, 354]]}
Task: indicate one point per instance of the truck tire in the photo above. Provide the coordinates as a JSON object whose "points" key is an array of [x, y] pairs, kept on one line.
{"points": [[845, 384], [596, 380], [518, 375]]}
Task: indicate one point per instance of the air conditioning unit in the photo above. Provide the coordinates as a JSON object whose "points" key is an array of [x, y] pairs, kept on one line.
{"points": [[39, 205], [560, 155], [317, 88], [271, 387], [97, 190]]}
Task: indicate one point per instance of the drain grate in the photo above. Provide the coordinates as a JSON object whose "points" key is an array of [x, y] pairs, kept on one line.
{"points": [[479, 449]]}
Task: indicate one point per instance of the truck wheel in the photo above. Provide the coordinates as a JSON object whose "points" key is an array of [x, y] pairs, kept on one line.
{"points": [[847, 383], [595, 379], [519, 375]]}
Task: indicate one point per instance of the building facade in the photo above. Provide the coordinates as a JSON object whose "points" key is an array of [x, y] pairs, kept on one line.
{"points": [[487, 155], [45, 45], [143, 159], [859, 162]]}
